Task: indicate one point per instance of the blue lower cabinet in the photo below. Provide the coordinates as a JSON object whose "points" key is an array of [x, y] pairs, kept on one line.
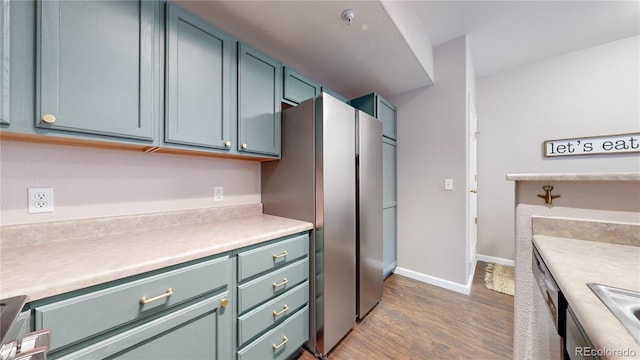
{"points": [[281, 342], [273, 301], [145, 317], [198, 331]]}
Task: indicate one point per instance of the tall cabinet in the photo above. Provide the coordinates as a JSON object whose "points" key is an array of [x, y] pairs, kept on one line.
{"points": [[384, 111], [4, 61]]}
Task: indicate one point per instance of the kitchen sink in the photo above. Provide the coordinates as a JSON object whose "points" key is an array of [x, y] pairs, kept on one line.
{"points": [[624, 304]]}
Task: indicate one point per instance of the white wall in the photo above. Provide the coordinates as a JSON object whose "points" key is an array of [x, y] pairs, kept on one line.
{"points": [[585, 93], [91, 182], [431, 147]]}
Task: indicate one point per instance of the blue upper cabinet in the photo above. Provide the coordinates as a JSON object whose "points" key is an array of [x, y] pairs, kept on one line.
{"points": [[297, 87], [377, 106], [4, 61], [259, 97], [200, 82], [97, 67], [387, 114]]}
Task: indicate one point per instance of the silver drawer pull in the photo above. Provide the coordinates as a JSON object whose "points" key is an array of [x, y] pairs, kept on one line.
{"points": [[144, 300], [284, 281], [278, 313], [284, 341], [284, 253]]}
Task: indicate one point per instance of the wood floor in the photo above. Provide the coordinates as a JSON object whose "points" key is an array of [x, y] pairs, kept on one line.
{"points": [[421, 321]]}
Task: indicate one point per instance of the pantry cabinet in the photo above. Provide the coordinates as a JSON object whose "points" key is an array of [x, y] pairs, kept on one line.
{"points": [[384, 111], [200, 82], [259, 97], [96, 67], [375, 105], [4, 60]]}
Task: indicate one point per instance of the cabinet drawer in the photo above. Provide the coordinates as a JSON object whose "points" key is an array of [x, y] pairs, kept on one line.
{"points": [[271, 285], [86, 315], [269, 257], [295, 330], [273, 312]]}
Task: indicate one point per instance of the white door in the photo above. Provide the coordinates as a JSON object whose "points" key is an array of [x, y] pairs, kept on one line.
{"points": [[473, 187]]}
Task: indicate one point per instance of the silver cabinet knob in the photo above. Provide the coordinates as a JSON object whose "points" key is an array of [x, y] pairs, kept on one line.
{"points": [[227, 143], [48, 118], [244, 146]]}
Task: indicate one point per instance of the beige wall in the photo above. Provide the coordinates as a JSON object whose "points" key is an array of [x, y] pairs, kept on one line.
{"points": [[92, 182], [585, 93], [431, 147]]}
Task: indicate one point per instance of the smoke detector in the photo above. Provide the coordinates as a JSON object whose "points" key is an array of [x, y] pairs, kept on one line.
{"points": [[348, 15]]}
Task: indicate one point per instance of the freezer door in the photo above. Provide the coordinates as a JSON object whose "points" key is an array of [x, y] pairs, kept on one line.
{"points": [[369, 239], [335, 221]]}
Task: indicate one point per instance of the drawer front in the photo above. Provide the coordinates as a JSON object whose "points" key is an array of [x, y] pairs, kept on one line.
{"points": [[86, 315], [269, 257], [273, 312], [272, 345], [271, 285]]}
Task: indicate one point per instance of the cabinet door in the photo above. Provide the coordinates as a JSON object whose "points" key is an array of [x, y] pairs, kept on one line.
{"points": [[259, 92], [199, 331], [389, 205], [387, 114], [96, 69], [200, 62], [4, 61], [298, 88]]}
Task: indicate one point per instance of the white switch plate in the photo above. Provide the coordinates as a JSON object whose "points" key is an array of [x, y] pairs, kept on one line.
{"points": [[448, 184], [40, 200], [218, 193]]}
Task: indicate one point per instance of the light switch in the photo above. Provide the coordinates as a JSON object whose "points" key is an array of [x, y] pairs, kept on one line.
{"points": [[448, 184]]}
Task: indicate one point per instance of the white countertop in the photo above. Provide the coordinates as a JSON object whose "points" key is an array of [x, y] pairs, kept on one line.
{"points": [[573, 263], [44, 269], [613, 176]]}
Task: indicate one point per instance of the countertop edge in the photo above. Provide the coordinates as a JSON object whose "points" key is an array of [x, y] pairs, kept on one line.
{"points": [[274, 228], [603, 329], [614, 176]]}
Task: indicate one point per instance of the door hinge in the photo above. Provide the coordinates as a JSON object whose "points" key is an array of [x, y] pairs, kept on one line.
{"points": [[476, 134], [476, 220]]}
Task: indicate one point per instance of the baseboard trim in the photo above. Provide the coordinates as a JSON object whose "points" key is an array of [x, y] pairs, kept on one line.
{"points": [[496, 260], [432, 280]]}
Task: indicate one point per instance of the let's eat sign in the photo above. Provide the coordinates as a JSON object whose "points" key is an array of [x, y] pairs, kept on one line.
{"points": [[608, 144]]}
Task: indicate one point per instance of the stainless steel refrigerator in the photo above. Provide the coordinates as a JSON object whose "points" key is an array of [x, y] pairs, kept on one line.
{"points": [[330, 174]]}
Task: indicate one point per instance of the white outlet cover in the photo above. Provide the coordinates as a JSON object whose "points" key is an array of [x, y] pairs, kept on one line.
{"points": [[40, 200], [218, 193]]}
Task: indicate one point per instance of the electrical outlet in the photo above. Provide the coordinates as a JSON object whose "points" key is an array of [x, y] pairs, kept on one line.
{"points": [[40, 200], [218, 193]]}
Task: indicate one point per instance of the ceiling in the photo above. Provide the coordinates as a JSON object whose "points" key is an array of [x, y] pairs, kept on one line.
{"points": [[370, 54]]}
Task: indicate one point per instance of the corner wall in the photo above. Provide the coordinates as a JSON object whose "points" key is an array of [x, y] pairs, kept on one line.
{"points": [[431, 147], [584, 93]]}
